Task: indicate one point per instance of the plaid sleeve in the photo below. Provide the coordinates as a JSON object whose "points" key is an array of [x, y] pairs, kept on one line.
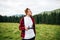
{"points": [[34, 26], [21, 24]]}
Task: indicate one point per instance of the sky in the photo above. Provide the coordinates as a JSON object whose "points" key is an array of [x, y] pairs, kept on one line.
{"points": [[12, 7]]}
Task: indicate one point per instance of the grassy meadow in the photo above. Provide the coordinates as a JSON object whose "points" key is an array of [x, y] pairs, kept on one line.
{"points": [[10, 31]]}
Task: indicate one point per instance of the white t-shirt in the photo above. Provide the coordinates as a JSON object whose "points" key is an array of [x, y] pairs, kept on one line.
{"points": [[28, 23]]}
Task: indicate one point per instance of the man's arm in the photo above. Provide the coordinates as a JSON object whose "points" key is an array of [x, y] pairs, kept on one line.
{"points": [[21, 24]]}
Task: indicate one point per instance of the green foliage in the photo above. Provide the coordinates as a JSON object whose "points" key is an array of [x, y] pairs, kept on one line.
{"points": [[48, 17], [14, 19]]}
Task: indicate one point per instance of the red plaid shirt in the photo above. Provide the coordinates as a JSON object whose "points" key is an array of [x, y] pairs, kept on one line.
{"points": [[22, 27]]}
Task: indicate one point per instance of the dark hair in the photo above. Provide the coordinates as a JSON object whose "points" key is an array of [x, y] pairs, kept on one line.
{"points": [[26, 10]]}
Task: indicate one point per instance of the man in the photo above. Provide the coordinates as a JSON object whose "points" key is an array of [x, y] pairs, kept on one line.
{"points": [[27, 26]]}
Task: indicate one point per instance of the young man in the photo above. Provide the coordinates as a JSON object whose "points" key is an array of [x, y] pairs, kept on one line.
{"points": [[27, 26]]}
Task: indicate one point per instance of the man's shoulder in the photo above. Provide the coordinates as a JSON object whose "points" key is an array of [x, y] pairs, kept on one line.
{"points": [[22, 18]]}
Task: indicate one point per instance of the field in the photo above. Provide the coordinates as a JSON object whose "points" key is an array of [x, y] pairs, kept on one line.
{"points": [[10, 31]]}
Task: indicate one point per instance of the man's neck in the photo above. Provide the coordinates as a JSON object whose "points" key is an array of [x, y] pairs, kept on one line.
{"points": [[28, 15]]}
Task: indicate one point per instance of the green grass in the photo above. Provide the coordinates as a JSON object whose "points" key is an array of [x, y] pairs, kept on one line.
{"points": [[10, 31]]}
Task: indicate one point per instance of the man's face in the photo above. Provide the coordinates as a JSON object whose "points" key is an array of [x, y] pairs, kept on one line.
{"points": [[29, 12]]}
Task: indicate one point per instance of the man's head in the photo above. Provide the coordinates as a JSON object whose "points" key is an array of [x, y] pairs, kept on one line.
{"points": [[28, 11]]}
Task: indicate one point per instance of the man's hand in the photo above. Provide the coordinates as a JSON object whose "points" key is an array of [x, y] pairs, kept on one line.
{"points": [[26, 28]]}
